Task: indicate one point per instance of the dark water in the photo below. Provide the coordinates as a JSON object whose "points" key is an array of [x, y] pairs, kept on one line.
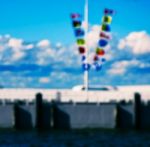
{"points": [[92, 138]]}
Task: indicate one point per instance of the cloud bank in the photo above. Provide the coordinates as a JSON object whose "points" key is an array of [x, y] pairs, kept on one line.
{"points": [[43, 64], [137, 42]]}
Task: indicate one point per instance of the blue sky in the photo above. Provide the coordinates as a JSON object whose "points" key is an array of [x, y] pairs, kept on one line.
{"points": [[37, 43], [26, 17]]}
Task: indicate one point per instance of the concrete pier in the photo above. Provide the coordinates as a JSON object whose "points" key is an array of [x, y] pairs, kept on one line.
{"points": [[84, 115], [41, 114], [24, 116], [7, 116]]}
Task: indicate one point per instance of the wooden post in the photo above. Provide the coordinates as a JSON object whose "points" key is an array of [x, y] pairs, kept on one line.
{"points": [[39, 110], [137, 111]]}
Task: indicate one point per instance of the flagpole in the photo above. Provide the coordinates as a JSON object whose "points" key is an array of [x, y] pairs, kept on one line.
{"points": [[86, 54]]}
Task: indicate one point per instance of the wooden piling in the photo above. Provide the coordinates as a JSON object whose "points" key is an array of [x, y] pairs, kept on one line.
{"points": [[137, 111], [39, 110]]}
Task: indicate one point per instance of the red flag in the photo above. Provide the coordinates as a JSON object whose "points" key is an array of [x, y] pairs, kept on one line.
{"points": [[75, 15]]}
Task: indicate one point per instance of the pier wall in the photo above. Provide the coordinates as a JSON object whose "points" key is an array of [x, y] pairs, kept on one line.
{"points": [[41, 114], [7, 116], [145, 113], [82, 115], [24, 116], [125, 116]]}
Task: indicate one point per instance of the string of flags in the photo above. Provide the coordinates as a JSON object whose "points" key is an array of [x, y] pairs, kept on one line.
{"points": [[104, 37], [79, 33]]}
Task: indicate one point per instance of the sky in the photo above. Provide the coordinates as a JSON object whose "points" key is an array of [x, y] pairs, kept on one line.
{"points": [[38, 50]]}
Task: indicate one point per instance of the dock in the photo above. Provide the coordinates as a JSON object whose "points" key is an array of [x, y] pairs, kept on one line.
{"points": [[41, 113]]}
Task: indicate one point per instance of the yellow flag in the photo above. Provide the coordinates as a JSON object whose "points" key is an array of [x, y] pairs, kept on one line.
{"points": [[107, 19]]}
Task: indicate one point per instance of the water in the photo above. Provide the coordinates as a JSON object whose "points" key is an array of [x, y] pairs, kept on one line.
{"points": [[87, 138]]}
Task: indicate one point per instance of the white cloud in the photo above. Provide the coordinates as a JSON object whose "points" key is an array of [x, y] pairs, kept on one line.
{"points": [[138, 42], [93, 36], [45, 57], [29, 46], [44, 80], [120, 68], [43, 43], [15, 43], [66, 56], [58, 45], [17, 55], [122, 44], [117, 71], [11, 49], [17, 49]]}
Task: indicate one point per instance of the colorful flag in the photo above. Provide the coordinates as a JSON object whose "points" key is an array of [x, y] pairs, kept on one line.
{"points": [[81, 50], [79, 32], [107, 19], [80, 42], [106, 27], [103, 42], [100, 52], [76, 23], [75, 15], [96, 58], [86, 66], [104, 35], [108, 11]]}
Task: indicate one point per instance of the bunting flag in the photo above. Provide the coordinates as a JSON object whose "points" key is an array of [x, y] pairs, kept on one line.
{"points": [[81, 50], [107, 19], [100, 52], [76, 23], [104, 37], [108, 11], [75, 16], [98, 59], [86, 66], [80, 42], [79, 33], [106, 27], [102, 42]]}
